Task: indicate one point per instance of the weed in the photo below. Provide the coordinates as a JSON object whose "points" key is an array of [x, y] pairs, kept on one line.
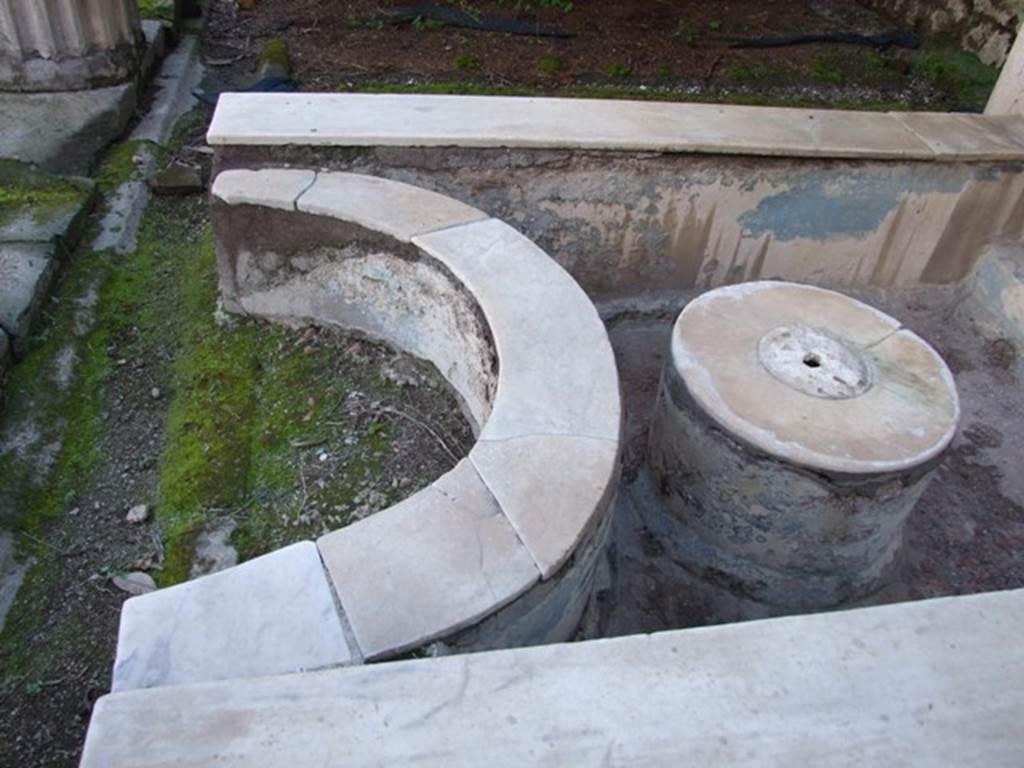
{"points": [[961, 75], [161, 10], [824, 70], [421, 24], [618, 70], [550, 64], [466, 61]]}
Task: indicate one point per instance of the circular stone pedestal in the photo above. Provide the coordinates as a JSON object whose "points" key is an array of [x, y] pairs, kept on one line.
{"points": [[795, 430]]}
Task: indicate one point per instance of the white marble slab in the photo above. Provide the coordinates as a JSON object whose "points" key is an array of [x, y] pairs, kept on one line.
{"points": [[964, 137], [926, 684], [557, 372], [437, 562], [396, 209], [553, 488], [271, 615], [271, 187], [495, 121]]}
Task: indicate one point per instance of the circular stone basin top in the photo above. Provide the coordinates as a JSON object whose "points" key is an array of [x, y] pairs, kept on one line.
{"points": [[814, 378], [532, 496]]}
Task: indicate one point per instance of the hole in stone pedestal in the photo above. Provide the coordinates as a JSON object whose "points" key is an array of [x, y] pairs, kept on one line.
{"points": [[812, 360]]}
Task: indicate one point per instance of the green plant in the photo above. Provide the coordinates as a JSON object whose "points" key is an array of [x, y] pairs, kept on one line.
{"points": [[161, 10], [748, 71], [421, 24], [825, 70], [466, 61], [714, 25], [550, 64], [961, 75], [618, 70]]}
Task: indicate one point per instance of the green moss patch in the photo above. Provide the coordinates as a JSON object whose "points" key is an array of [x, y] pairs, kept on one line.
{"points": [[26, 190], [160, 10], [966, 81]]}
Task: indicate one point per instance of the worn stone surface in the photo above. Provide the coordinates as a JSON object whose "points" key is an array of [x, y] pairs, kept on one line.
{"points": [[765, 381], [271, 188], [626, 227], [995, 302], [551, 611], [68, 46], [177, 179], [25, 272], [557, 372], [932, 683], [46, 208], [963, 137], [906, 417], [483, 121], [553, 488], [179, 74], [63, 132], [437, 562], [409, 210], [268, 616]]}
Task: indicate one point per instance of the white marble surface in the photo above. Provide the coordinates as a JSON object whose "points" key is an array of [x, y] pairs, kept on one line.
{"points": [[396, 209], [522, 122], [273, 187], [926, 684], [908, 415], [271, 615], [489, 121], [557, 373], [440, 560], [963, 137], [553, 488]]}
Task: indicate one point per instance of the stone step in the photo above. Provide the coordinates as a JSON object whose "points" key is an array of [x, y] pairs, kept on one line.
{"points": [[937, 682]]}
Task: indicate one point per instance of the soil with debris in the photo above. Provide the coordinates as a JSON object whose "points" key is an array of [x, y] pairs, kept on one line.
{"points": [[681, 51]]}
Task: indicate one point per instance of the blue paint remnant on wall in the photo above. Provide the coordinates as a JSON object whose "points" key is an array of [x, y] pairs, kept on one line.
{"points": [[842, 203]]}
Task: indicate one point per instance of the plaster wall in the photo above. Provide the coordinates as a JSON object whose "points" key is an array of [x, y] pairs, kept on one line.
{"points": [[628, 224]]}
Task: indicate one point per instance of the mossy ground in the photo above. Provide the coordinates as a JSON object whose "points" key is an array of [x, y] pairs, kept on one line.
{"points": [[289, 432], [28, 190]]}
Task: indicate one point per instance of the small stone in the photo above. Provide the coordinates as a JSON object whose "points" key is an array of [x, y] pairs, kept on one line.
{"points": [[137, 514], [135, 583], [177, 179], [155, 393], [401, 372]]}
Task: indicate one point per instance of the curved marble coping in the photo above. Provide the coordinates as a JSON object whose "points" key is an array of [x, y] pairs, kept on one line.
{"points": [[540, 477]]}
